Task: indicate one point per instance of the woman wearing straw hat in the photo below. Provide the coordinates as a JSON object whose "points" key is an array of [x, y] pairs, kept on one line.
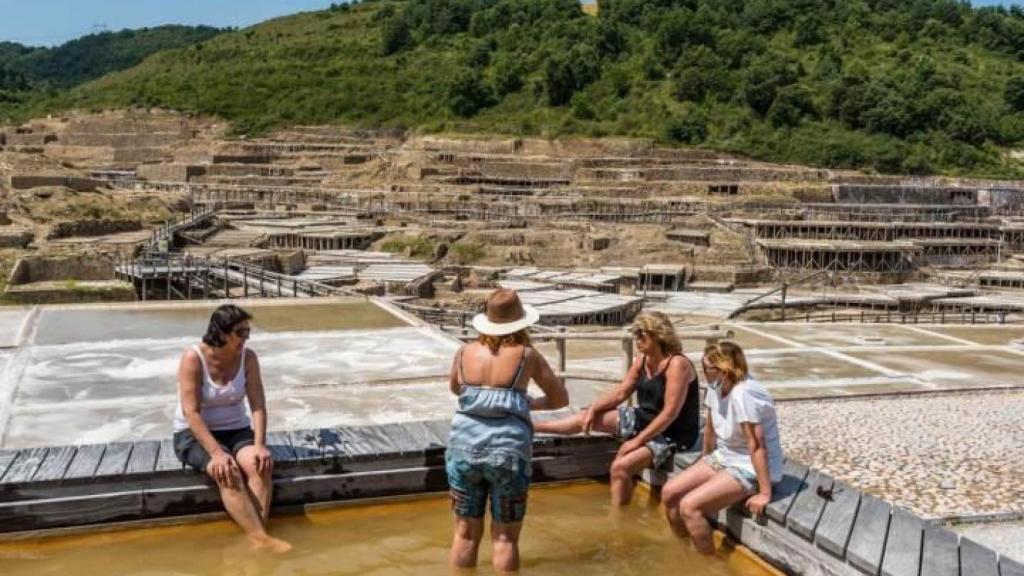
{"points": [[491, 440]]}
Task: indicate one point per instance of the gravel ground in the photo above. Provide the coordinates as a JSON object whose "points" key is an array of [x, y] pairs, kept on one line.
{"points": [[938, 455]]}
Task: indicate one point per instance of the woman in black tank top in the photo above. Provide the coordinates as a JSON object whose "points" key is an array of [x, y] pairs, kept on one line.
{"points": [[666, 417]]}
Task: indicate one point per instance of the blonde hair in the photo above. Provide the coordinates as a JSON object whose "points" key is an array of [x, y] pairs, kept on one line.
{"points": [[660, 327], [728, 357], [494, 343]]}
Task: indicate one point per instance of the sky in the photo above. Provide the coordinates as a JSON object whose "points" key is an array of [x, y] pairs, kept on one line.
{"points": [[51, 22]]}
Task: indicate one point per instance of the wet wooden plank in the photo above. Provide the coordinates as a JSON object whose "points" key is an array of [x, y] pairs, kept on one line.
{"points": [[940, 554], [143, 458], [837, 520], [115, 459], [808, 505], [73, 511], [1010, 567], [867, 541], [166, 459], [55, 465], [783, 494], [6, 458], [306, 445], [424, 437], [385, 439], [86, 461], [440, 428], [24, 466], [977, 560], [280, 446], [903, 545]]}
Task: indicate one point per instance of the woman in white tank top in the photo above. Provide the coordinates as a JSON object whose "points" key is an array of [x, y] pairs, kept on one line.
{"points": [[213, 431]]}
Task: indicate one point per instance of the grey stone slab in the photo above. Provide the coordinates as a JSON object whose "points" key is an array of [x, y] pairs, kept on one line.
{"points": [[786, 490], [166, 459], [24, 466], [808, 505], [55, 465], [903, 545], [6, 458], [355, 441], [940, 552], [280, 446], [837, 520], [386, 439], [86, 461], [867, 541], [115, 459], [143, 457], [1010, 567]]}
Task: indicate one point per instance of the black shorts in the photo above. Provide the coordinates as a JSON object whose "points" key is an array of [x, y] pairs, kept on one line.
{"points": [[192, 453]]}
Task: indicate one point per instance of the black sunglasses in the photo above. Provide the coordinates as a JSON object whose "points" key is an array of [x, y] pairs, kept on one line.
{"points": [[242, 332]]}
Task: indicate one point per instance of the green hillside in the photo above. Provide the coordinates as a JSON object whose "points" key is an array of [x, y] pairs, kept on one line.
{"points": [[898, 86], [25, 72]]}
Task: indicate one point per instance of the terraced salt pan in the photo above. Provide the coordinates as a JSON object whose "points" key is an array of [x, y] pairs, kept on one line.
{"points": [[125, 389]]}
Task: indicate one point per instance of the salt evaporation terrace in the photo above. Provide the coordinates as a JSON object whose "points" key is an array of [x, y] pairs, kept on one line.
{"points": [[93, 374]]}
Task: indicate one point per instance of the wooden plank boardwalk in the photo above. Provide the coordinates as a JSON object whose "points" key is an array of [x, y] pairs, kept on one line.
{"points": [[818, 526], [42, 488]]}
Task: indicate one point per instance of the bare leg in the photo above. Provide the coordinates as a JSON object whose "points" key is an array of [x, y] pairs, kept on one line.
{"points": [[606, 422], [506, 546], [242, 510], [466, 543], [675, 489], [720, 491], [261, 486], [623, 470]]}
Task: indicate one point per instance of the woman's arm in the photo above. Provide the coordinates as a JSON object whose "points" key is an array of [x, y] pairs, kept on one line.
{"points": [[677, 374], [754, 433], [453, 374], [190, 382], [709, 435], [258, 407], [555, 395]]}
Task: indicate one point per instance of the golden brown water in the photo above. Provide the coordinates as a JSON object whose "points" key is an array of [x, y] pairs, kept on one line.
{"points": [[569, 530]]}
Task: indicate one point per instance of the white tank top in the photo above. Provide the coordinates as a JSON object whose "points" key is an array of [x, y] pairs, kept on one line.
{"points": [[222, 407]]}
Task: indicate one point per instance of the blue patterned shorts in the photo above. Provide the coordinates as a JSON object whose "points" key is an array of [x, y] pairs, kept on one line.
{"points": [[472, 484]]}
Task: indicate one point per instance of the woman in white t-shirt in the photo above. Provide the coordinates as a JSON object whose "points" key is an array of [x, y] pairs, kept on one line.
{"points": [[742, 456]]}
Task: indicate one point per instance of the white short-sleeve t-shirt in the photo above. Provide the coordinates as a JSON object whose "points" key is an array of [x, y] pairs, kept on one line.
{"points": [[748, 401]]}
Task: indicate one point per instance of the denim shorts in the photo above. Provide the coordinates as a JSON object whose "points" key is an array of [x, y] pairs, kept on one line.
{"points": [[661, 447], [747, 480], [472, 484]]}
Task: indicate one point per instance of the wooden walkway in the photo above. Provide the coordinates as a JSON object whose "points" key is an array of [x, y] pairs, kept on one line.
{"points": [[818, 525], [43, 488]]}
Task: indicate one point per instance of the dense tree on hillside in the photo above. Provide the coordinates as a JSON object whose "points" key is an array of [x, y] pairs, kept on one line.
{"points": [[909, 86]]}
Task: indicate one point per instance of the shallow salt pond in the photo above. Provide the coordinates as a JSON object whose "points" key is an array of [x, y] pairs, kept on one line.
{"points": [[569, 530]]}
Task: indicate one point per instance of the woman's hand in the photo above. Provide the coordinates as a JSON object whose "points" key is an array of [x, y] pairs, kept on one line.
{"points": [[628, 446], [757, 503], [224, 469], [264, 461], [588, 420]]}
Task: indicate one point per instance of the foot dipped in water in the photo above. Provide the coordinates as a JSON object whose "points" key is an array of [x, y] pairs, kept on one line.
{"points": [[270, 544]]}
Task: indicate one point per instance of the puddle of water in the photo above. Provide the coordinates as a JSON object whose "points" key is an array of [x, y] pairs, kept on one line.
{"points": [[569, 530]]}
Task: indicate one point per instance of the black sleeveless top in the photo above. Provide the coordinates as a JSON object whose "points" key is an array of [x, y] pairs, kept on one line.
{"points": [[650, 395]]}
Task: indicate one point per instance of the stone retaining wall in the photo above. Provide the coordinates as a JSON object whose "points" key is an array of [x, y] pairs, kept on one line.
{"points": [[94, 227]]}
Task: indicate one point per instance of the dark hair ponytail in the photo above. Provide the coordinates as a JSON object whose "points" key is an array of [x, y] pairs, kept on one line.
{"points": [[223, 320]]}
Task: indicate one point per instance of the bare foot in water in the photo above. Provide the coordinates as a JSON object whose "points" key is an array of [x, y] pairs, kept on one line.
{"points": [[270, 544]]}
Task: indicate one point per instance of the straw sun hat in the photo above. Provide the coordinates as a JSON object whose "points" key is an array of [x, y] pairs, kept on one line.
{"points": [[504, 314]]}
